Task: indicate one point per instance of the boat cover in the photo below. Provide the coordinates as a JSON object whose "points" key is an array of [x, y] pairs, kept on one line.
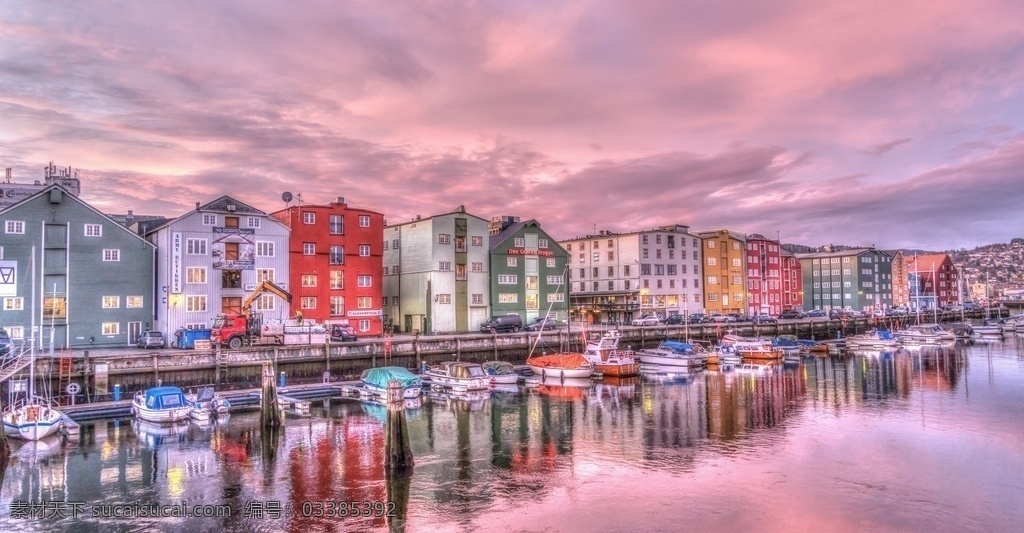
{"points": [[678, 347], [164, 398], [498, 368], [379, 377], [561, 360]]}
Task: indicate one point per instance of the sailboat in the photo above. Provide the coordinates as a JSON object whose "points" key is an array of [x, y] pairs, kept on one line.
{"points": [[990, 328], [561, 365], [33, 417]]}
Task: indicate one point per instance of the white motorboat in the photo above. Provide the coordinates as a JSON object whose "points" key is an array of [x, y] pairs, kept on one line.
{"points": [[205, 404], [925, 334], [458, 376], [754, 349], [376, 381], [161, 405], [876, 338], [501, 372], [604, 353], [674, 354]]}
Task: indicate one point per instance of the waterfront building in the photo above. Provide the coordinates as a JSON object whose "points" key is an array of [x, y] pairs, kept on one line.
{"points": [[934, 281], [13, 192], [858, 278], [900, 278], [528, 271], [792, 282], [773, 277], [93, 277], [435, 273], [725, 280], [335, 258], [212, 259], [616, 277]]}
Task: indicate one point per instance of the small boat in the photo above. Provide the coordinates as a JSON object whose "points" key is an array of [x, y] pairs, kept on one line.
{"points": [[674, 354], [989, 328], [205, 403], [561, 365], [754, 349], [812, 346], [161, 405], [32, 419], [376, 381], [876, 338], [501, 372], [925, 334], [608, 359], [458, 376], [787, 344]]}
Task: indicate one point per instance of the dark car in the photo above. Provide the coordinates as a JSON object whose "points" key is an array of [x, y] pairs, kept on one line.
{"points": [[343, 333], [764, 318], [5, 342], [151, 339], [541, 324], [674, 319], [815, 313], [697, 318], [790, 314]]}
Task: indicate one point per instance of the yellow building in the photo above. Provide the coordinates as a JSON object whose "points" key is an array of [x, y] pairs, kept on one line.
{"points": [[725, 288]]}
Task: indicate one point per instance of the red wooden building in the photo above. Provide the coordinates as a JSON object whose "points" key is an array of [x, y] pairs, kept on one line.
{"points": [[773, 277], [335, 262]]}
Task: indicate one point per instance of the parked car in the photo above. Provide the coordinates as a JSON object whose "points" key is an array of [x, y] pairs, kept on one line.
{"points": [[5, 342], [764, 318], [541, 323], [647, 320], [697, 318], [815, 313], [343, 333], [674, 319], [898, 310], [152, 339], [502, 323], [790, 314], [740, 317], [721, 319]]}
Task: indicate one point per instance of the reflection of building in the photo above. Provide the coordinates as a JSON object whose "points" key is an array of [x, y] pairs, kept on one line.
{"points": [[435, 276], [212, 258], [94, 277], [527, 270], [335, 263], [619, 276]]}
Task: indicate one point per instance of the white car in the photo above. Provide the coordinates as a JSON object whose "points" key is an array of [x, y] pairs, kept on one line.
{"points": [[647, 320]]}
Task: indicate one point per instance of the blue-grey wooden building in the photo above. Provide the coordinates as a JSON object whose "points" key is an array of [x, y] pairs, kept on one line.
{"points": [[93, 279]]}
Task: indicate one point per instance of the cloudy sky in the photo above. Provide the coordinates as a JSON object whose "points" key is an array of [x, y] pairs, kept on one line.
{"points": [[898, 124]]}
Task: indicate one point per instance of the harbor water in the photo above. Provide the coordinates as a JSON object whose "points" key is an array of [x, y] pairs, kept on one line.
{"points": [[929, 439]]}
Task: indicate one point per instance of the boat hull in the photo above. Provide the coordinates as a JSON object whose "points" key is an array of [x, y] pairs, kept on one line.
{"points": [[161, 416], [408, 393], [46, 422], [669, 360], [546, 372], [618, 370], [505, 379]]}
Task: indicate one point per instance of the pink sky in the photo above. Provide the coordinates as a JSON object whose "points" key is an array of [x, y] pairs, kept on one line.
{"points": [[893, 124]]}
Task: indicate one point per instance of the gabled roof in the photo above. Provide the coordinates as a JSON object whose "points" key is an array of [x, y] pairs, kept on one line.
{"points": [[926, 260], [68, 196], [840, 253], [222, 205], [457, 211]]}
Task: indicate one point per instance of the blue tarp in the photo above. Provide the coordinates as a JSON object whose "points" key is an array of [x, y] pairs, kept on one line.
{"points": [[164, 397], [679, 347], [379, 377]]}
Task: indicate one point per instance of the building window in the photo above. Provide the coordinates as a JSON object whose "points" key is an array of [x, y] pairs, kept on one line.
{"points": [[394, 244], [337, 305], [477, 267], [231, 279], [460, 271], [444, 238], [477, 299], [512, 261], [264, 249], [712, 280], [308, 302], [736, 262], [508, 298], [93, 230], [111, 328], [308, 248], [336, 255], [364, 221], [556, 297], [712, 261], [209, 219], [266, 302], [111, 255], [460, 244], [264, 274], [364, 302], [364, 250], [594, 284], [445, 266], [253, 222], [195, 275], [195, 303], [611, 285], [337, 279], [336, 224], [133, 302], [395, 269], [394, 300], [308, 217], [444, 298], [611, 272], [508, 279], [14, 304], [364, 281], [596, 256], [308, 280], [643, 239], [551, 262], [195, 246], [477, 241], [519, 242], [625, 271]]}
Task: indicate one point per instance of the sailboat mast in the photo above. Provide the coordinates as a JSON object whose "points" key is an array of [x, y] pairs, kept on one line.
{"points": [[32, 331]]}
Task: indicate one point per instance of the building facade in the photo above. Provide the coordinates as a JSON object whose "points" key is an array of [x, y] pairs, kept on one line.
{"points": [[725, 277], [435, 273], [792, 282], [616, 277], [859, 279], [12, 192], [213, 258], [92, 283], [900, 279], [335, 255], [528, 271], [767, 280], [934, 282]]}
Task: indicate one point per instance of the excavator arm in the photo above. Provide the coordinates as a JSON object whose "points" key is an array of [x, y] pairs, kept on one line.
{"points": [[265, 287]]}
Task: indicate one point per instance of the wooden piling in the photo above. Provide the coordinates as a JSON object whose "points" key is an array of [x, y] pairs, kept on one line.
{"points": [[5, 452], [271, 415], [398, 460]]}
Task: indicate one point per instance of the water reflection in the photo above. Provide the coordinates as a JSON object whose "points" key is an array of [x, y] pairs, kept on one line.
{"points": [[481, 457]]}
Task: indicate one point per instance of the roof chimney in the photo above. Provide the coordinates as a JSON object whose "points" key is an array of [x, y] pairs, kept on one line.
{"points": [[197, 206], [340, 200]]}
